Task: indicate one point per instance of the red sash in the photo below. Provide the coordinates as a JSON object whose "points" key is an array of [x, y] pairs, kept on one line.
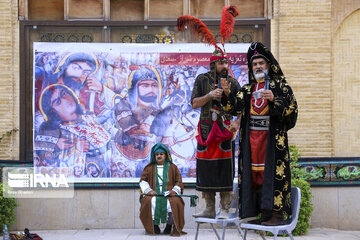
{"points": [[215, 134]]}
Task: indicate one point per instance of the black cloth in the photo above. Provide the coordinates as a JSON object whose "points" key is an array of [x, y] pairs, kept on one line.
{"points": [[276, 188], [213, 175]]}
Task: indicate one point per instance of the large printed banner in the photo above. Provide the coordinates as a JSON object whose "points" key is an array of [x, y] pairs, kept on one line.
{"points": [[100, 107]]}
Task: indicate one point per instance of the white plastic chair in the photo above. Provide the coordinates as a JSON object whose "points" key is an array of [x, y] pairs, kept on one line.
{"points": [[232, 220], [281, 229]]}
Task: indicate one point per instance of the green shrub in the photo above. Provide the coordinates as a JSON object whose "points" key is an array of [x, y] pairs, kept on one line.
{"points": [[306, 206], [7, 210], [7, 205]]}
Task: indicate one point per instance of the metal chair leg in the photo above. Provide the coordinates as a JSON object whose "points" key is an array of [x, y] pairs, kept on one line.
{"points": [[217, 235], [240, 231], [291, 236], [197, 231], [223, 234], [245, 234], [262, 235]]}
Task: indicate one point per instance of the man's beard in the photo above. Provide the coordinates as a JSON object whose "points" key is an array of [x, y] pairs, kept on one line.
{"points": [[160, 161], [147, 98], [72, 82], [261, 75]]}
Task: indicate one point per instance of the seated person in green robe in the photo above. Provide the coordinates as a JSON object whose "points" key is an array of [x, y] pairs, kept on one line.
{"points": [[161, 178]]}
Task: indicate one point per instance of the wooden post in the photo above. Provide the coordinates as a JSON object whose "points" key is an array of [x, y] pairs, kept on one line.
{"points": [[268, 9], [23, 10], [147, 10], [106, 9], [66, 9]]}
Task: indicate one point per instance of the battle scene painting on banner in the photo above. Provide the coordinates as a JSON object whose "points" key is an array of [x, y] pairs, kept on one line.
{"points": [[98, 108]]}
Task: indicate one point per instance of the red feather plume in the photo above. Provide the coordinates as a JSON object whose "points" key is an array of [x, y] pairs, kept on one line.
{"points": [[227, 22], [197, 27]]}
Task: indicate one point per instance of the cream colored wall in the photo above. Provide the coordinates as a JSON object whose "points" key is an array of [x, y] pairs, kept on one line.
{"points": [[94, 209], [9, 78], [346, 87], [334, 207], [317, 45], [301, 41], [341, 9]]}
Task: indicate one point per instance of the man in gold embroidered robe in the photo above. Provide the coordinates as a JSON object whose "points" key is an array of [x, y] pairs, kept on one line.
{"points": [[268, 108]]}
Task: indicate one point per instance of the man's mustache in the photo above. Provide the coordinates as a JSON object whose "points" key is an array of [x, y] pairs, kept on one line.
{"points": [[72, 82], [223, 71]]}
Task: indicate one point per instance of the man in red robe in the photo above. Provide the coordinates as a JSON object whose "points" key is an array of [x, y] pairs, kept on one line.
{"points": [[214, 159]]}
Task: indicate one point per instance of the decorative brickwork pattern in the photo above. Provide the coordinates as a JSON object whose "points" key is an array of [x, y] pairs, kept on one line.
{"points": [[9, 78], [301, 39], [346, 87]]}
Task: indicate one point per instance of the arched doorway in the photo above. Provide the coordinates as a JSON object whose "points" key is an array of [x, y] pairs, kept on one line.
{"points": [[346, 87]]}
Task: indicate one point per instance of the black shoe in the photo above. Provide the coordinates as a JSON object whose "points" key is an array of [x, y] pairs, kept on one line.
{"points": [[275, 220], [167, 229], [265, 216], [156, 229], [256, 221]]}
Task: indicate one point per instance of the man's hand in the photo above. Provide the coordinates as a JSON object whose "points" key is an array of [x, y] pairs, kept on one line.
{"points": [[216, 93], [152, 192], [201, 101], [226, 86], [267, 94], [172, 193], [94, 84], [64, 143], [234, 126]]}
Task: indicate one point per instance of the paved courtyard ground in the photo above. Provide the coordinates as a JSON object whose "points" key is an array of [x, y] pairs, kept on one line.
{"points": [[205, 234]]}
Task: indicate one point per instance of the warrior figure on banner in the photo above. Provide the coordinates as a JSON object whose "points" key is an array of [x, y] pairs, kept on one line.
{"points": [[135, 115], [116, 75], [70, 139]]}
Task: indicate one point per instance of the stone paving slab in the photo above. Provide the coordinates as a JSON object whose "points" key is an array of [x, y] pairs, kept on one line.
{"points": [[205, 234]]}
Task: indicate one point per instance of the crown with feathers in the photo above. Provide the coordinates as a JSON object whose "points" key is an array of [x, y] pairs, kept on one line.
{"points": [[202, 31]]}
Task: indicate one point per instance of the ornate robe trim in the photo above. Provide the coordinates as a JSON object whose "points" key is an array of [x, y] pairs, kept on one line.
{"points": [[123, 114], [44, 138], [43, 149]]}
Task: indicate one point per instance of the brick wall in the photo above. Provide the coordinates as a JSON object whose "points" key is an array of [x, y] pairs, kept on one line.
{"points": [[9, 77], [346, 87], [301, 39]]}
